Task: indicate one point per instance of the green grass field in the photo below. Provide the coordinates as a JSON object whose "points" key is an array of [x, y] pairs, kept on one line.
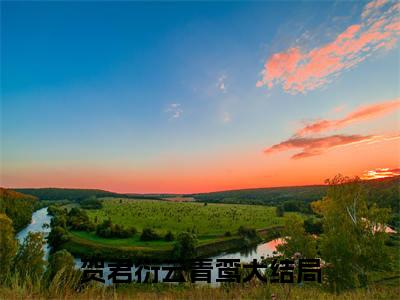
{"points": [[205, 220]]}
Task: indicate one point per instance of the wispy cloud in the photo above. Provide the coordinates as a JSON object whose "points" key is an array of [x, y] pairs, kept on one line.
{"points": [[298, 70], [311, 146], [221, 85], [362, 113], [174, 110], [380, 173]]}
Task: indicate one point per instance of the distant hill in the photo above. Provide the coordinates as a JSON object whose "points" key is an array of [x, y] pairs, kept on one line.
{"points": [[67, 194], [17, 206], [76, 195], [271, 196], [385, 192]]}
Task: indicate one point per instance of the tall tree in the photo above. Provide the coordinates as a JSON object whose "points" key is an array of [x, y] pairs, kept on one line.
{"points": [[185, 246], [354, 236], [29, 262], [8, 247], [297, 240]]}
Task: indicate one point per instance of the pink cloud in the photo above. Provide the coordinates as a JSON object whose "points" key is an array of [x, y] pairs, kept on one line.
{"points": [[311, 146], [360, 114], [380, 173], [300, 71]]}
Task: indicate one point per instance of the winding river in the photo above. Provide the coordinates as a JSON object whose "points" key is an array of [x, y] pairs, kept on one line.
{"points": [[41, 217]]}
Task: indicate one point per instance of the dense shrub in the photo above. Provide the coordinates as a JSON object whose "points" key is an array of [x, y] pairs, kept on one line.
{"points": [[280, 210], [312, 225], [91, 203], [247, 232], [79, 220], [59, 220], [57, 236], [18, 207], [185, 246], [109, 230], [149, 234]]}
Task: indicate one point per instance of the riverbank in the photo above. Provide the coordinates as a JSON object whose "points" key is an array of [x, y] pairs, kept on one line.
{"points": [[84, 248]]}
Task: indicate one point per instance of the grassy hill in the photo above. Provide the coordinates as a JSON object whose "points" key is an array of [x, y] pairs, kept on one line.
{"points": [[17, 206]]}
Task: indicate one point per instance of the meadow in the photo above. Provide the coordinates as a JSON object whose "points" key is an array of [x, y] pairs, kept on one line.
{"points": [[206, 220]]}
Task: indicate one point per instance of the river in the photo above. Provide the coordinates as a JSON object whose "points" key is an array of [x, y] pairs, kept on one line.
{"points": [[41, 217]]}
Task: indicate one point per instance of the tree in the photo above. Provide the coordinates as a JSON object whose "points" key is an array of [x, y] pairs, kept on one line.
{"points": [[313, 225], [8, 246], [353, 242], [57, 236], [60, 262], [149, 234], [280, 210], [29, 262], [185, 246], [297, 240], [247, 232]]}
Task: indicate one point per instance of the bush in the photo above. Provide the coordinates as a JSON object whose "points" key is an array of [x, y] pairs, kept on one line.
{"points": [[228, 233], [149, 234], [57, 236], [313, 226], [79, 220], [185, 246], [280, 210], [91, 203], [109, 230], [247, 232]]}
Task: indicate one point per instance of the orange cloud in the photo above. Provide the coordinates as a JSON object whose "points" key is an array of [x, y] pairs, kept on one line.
{"points": [[360, 114], [380, 173], [312, 146], [299, 71]]}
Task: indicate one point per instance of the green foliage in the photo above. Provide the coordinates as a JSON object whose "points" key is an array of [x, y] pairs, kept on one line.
{"points": [[169, 236], [59, 261], [59, 220], [57, 236], [247, 232], [164, 216], [29, 262], [148, 234], [313, 225], [79, 195], [297, 242], [79, 220], [266, 196], [91, 203], [76, 195], [109, 230], [185, 246], [353, 242], [280, 211], [8, 246], [53, 210], [18, 207]]}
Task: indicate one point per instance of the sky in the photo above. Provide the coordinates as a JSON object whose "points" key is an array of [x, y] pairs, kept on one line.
{"points": [[187, 97]]}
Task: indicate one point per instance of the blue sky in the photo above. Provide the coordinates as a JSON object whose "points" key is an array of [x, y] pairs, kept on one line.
{"points": [[128, 88]]}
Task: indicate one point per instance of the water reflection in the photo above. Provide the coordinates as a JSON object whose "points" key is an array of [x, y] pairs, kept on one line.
{"points": [[39, 219]]}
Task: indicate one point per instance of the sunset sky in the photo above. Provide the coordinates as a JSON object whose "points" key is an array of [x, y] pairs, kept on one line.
{"points": [[184, 97]]}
